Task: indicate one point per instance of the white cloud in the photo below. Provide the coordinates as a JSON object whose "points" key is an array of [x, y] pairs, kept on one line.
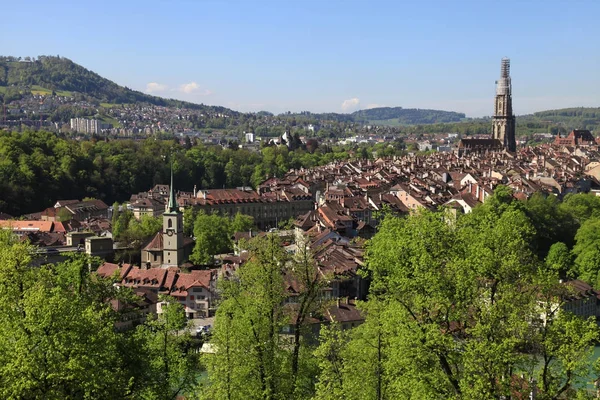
{"points": [[193, 87], [351, 105], [154, 87]]}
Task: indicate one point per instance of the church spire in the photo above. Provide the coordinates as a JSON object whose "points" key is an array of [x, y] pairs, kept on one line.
{"points": [[172, 199]]}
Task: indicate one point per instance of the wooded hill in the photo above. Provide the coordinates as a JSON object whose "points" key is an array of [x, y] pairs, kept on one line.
{"points": [[394, 116], [61, 74]]}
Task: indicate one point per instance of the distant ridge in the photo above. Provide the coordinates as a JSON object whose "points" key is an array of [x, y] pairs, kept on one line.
{"points": [[388, 116], [407, 116]]}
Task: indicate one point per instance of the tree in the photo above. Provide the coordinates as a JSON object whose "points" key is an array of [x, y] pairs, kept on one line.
{"points": [[552, 222], [171, 367], [564, 341], [587, 251], [560, 260], [330, 356], [212, 237], [120, 220], [189, 218], [56, 327], [64, 215], [241, 223], [251, 361], [309, 282], [454, 311]]}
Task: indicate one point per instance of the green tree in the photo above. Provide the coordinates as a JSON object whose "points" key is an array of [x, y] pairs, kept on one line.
{"points": [[212, 237], [171, 366], [189, 218], [241, 223], [564, 342], [330, 355], [56, 327], [252, 362], [587, 251], [454, 311]]}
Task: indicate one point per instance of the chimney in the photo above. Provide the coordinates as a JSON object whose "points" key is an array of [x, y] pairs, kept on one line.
{"points": [[194, 190]]}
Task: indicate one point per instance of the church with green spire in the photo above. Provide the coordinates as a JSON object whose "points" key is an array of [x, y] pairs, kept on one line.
{"points": [[173, 243], [169, 247]]}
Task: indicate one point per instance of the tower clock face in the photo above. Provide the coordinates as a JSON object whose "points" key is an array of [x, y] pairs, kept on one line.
{"points": [[170, 232]]}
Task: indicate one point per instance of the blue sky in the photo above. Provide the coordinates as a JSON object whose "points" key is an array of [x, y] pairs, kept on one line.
{"points": [[327, 55]]}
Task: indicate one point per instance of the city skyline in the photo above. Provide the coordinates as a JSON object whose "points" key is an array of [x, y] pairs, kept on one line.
{"points": [[330, 57]]}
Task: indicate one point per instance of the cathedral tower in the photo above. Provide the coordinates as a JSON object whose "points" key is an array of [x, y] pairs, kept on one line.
{"points": [[173, 251], [503, 127]]}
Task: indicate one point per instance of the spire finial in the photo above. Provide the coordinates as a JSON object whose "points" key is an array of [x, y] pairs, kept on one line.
{"points": [[172, 201]]}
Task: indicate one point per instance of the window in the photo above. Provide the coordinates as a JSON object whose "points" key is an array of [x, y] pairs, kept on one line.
{"points": [[170, 223], [191, 297]]}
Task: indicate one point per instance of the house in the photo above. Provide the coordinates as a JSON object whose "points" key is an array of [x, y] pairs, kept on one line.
{"points": [[343, 311], [24, 227], [195, 291], [466, 201], [135, 312], [147, 206]]}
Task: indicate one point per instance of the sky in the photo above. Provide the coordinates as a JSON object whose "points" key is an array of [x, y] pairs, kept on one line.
{"points": [[324, 55]]}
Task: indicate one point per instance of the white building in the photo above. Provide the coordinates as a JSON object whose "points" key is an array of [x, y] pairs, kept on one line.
{"points": [[84, 125]]}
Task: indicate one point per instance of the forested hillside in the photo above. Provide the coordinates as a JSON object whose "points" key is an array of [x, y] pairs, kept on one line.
{"points": [[62, 74], [569, 118], [386, 115], [407, 116]]}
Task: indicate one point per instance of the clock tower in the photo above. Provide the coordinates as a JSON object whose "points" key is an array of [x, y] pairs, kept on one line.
{"points": [[172, 232]]}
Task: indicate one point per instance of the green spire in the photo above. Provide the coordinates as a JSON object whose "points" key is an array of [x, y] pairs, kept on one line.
{"points": [[172, 202]]}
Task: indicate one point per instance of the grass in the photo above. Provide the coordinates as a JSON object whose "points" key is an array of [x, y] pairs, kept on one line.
{"points": [[111, 105], [38, 90]]}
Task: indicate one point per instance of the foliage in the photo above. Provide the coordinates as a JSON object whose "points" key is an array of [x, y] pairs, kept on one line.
{"points": [[56, 329], [241, 223], [58, 337], [171, 367], [407, 116], [454, 311], [212, 237], [251, 362], [587, 251]]}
